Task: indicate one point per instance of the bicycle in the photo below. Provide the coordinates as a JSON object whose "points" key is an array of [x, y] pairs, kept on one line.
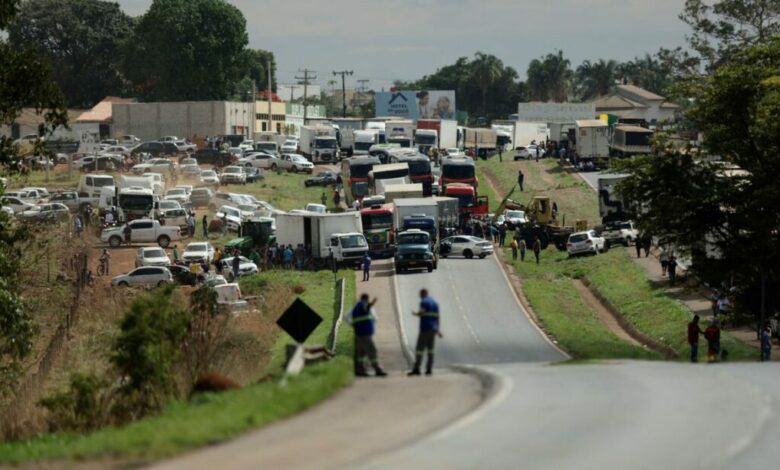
{"points": [[102, 269]]}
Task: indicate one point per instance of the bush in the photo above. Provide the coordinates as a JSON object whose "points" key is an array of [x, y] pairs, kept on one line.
{"points": [[83, 406]]}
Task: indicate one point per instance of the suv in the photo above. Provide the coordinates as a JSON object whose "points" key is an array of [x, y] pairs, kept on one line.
{"points": [[232, 174], [622, 233], [212, 157], [156, 149], [413, 251], [586, 242]]}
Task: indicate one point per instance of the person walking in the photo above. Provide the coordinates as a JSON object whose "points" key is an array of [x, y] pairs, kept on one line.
{"points": [[366, 267], [324, 199], [638, 246], [501, 235], [537, 248], [693, 338], [520, 179], [288, 257], [224, 224], [429, 329], [77, 225], [664, 259], [521, 244], [128, 233], [647, 243], [105, 259], [712, 335], [191, 224], [205, 222], [514, 247], [175, 254], [671, 269], [537, 153], [766, 343], [362, 319], [236, 264]]}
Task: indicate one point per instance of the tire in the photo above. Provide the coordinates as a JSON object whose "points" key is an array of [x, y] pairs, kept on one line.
{"points": [[430, 268], [163, 241], [273, 166], [468, 254], [123, 284], [115, 242], [161, 283], [482, 255]]}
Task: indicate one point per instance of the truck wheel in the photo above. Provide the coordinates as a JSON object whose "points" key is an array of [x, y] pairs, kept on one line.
{"points": [[114, 242], [468, 254], [163, 241]]}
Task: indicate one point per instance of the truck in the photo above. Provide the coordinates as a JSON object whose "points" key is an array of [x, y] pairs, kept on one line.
{"points": [[611, 205], [592, 140], [319, 144], [379, 127], [469, 202], [419, 167], [142, 231], [257, 232], [403, 191], [363, 140], [378, 228], [419, 213], [400, 132], [483, 140], [448, 215], [630, 140], [445, 132], [148, 181], [457, 170], [524, 133], [415, 250], [346, 132], [354, 173], [392, 173], [339, 236]]}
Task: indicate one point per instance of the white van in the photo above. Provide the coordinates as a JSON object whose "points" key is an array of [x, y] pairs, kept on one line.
{"points": [[91, 184]]}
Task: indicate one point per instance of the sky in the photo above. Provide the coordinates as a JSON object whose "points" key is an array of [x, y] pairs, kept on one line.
{"points": [[405, 39]]}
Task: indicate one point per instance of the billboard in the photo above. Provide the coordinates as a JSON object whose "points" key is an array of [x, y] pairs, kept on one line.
{"points": [[555, 112], [423, 104]]}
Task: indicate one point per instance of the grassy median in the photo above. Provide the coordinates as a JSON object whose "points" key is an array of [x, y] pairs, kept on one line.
{"points": [[614, 275]]}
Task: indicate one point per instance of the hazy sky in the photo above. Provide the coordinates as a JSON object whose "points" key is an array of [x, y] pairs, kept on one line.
{"points": [[383, 40]]}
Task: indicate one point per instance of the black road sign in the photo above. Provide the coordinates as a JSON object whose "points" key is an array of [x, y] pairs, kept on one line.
{"points": [[299, 320]]}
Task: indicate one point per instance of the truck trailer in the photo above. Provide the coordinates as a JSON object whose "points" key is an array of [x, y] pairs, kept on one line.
{"points": [[445, 134], [324, 235]]}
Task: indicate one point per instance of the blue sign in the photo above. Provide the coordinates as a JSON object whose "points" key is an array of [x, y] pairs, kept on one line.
{"points": [[402, 104], [414, 105]]}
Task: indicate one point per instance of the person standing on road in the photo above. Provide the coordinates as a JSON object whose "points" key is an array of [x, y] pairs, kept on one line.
{"points": [[537, 248], [205, 221], [128, 232], [520, 179], [77, 226], [514, 247], [693, 338], [362, 319], [429, 329], [366, 267], [638, 246], [766, 343]]}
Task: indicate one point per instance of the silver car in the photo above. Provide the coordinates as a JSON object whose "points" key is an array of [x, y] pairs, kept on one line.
{"points": [[145, 276], [589, 242], [465, 245]]}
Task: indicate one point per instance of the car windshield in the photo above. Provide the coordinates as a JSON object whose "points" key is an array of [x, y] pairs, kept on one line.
{"points": [[196, 247], [419, 167], [515, 214], [209, 173], [578, 238], [169, 205], [413, 239], [154, 253], [425, 139], [353, 241], [230, 211], [232, 169], [176, 192], [360, 170], [100, 181], [326, 143]]}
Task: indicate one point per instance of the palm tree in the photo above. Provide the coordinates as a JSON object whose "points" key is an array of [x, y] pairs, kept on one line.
{"points": [[549, 78], [485, 70], [595, 79]]}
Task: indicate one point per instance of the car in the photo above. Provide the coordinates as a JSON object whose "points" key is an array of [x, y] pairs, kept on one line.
{"points": [[185, 146], [16, 204], [232, 174], [528, 152], [201, 197], [43, 193], [107, 162], [253, 174], [214, 280], [116, 150], [7, 211], [198, 252], [190, 169], [295, 163], [142, 231], [326, 178], [228, 199], [177, 194], [53, 212], [209, 178], [234, 217], [145, 276], [151, 256], [157, 165], [211, 156], [259, 160], [247, 145], [515, 217], [267, 206], [245, 266], [588, 242], [155, 149], [318, 208], [109, 142], [182, 275], [454, 152], [623, 233], [465, 245], [127, 140]]}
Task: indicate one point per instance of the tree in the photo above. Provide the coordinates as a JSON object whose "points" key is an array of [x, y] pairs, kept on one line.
{"points": [[549, 78], [25, 81], [736, 213], [257, 61], [80, 39], [595, 79], [646, 72], [485, 70], [187, 50]]}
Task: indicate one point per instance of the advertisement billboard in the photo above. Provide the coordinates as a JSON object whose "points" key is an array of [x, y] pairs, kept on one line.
{"points": [[422, 104], [555, 112]]}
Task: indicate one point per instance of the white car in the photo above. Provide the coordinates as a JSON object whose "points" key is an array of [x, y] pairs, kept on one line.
{"points": [[151, 256], [45, 213], [145, 276], [169, 138], [197, 252], [454, 152], [43, 193], [209, 178], [465, 245], [116, 150], [295, 163], [528, 152], [585, 242], [259, 160], [7, 210], [247, 145], [234, 217], [245, 266], [178, 194], [232, 174], [129, 140], [16, 204], [157, 165], [191, 169], [515, 217], [318, 208]]}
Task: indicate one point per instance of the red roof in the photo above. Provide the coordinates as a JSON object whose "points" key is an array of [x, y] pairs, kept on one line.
{"points": [[263, 94]]}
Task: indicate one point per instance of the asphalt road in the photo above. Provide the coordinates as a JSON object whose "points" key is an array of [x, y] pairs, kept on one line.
{"points": [[481, 320]]}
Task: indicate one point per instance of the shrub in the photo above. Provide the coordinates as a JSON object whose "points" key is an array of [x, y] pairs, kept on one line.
{"points": [[82, 406]]}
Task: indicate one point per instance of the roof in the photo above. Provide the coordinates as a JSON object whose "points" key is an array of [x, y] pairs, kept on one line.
{"points": [[390, 167], [591, 123], [633, 129], [668, 105], [640, 92], [102, 112], [29, 117], [462, 161], [615, 101]]}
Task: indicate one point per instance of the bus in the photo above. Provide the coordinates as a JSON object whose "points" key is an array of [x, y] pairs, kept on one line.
{"points": [[378, 229], [419, 169], [382, 175], [457, 170], [354, 174]]}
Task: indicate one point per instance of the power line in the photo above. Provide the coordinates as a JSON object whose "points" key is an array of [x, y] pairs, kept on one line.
{"points": [[306, 78], [343, 73]]}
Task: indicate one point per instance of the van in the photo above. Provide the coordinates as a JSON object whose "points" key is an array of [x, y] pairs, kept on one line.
{"points": [[91, 184]]}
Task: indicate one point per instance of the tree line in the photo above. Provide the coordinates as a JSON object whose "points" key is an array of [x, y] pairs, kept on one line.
{"points": [[178, 50]]}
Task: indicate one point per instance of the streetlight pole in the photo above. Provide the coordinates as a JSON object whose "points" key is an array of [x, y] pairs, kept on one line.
{"points": [[343, 73]]}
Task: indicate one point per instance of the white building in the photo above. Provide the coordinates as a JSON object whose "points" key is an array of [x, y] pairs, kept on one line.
{"points": [[632, 102]]}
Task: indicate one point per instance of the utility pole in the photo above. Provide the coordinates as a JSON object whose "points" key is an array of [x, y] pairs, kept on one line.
{"points": [[343, 73], [269, 95], [307, 75], [292, 91]]}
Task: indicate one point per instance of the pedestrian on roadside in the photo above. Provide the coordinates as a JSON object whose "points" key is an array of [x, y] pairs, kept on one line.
{"points": [[638, 246], [366, 267], [723, 306], [647, 243], [664, 259], [362, 318], [224, 224], [501, 235], [514, 247], [205, 221], [520, 179], [236, 264], [429, 329], [671, 268], [191, 224], [766, 343], [537, 153], [494, 234], [128, 232], [712, 335], [77, 225], [537, 248], [522, 245], [324, 199], [288, 257], [693, 338], [300, 257], [175, 254]]}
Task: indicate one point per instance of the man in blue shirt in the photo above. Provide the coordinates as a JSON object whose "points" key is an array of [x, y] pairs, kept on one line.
{"points": [[362, 320], [429, 329], [366, 267]]}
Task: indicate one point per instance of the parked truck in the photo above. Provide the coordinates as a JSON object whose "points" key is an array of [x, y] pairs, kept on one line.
{"points": [[363, 140], [400, 132], [419, 213], [480, 141], [391, 173], [346, 133], [445, 131], [630, 140], [339, 236], [319, 144], [378, 228], [611, 205], [592, 141], [403, 191]]}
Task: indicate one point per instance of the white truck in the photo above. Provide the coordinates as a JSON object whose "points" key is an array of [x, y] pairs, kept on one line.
{"points": [[142, 231], [437, 133], [393, 192], [400, 132], [592, 139], [379, 127], [363, 141], [319, 144], [148, 181], [482, 139], [339, 235], [524, 133], [611, 205]]}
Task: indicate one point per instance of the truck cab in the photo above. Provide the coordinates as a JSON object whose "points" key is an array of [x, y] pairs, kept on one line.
{"points": [[377, 223], [348, 248], [468, 201], [414, 250]]}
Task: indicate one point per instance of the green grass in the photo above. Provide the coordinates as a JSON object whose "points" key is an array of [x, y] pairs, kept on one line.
{"points": [[285, 190], [211, 418], [614, 275]]}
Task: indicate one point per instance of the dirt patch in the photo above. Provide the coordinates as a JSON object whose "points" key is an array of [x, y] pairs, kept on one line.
{"points": [[603, 314]]}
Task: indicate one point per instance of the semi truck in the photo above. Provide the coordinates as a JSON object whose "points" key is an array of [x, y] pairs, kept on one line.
{"points": [[319, 144], [469, 203], [630, 140], [611, 205], [363, 140], [378, 227], [437, 133], [457, 170], [347, 127], [592, 140], [354, 173], [391, 173], [482, 139], [417, 213], [400, 132], [339, 236], [419, 167], [403, 191]]}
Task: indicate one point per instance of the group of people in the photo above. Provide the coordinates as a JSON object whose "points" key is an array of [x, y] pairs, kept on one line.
{"points": [[363, 318]]}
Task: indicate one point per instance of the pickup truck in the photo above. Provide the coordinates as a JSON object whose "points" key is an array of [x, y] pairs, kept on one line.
{"points": [[414, 251], [622, 233], [74, 201], [142, 231]]}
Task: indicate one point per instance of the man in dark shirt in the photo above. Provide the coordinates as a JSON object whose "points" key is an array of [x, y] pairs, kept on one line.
{"points": [[429, 329]]}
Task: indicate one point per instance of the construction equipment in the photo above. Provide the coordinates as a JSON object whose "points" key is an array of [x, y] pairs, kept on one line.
{"points": [[257, 233], [542, 223]]}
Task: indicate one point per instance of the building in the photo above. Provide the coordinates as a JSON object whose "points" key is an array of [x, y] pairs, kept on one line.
{"points": [[634, 103], [277, 122], [294, 117], [101, 115], [186, 119], [28, 121]]}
